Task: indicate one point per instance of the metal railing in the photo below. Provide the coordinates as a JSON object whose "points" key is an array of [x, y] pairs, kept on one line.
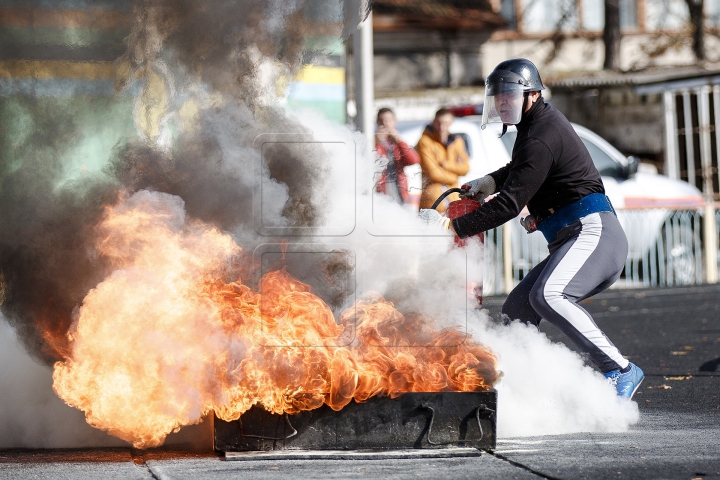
{"points": [[670, 246]]}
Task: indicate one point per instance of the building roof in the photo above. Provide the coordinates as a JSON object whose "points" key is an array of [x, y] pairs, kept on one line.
{"points": [[394, 15], [646, 81]]}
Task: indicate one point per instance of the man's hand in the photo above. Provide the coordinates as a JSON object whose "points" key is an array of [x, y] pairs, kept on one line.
{"points": [[393, 135], [384, 132], [529, 223], [432, 217], [479, 188]]}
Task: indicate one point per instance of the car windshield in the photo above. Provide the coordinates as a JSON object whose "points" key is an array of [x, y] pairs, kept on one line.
{"points": [[603, 162], [605, 165]]}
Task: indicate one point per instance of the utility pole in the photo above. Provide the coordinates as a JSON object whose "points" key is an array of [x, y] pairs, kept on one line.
{"points": [[364, 81]]}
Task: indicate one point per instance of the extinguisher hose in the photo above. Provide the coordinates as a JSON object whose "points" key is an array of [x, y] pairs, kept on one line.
{"points": [[447, 192]]}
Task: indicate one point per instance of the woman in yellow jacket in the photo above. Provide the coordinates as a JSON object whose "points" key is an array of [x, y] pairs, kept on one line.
{"points": [[443, 159]]}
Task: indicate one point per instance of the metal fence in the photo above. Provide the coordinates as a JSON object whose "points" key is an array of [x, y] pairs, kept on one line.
{"points": [[667, 247]]}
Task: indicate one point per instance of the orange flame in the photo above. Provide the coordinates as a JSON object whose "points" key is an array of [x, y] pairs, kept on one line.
{"points": [[164, 341]]}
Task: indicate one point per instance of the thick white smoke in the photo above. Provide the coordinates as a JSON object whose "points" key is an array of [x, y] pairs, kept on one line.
{"points": [[545, 388]]}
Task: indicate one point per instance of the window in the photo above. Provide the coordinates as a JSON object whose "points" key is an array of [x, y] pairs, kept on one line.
{"points": [[507, 12], [605, 165], [544, 16], [666, 14], [628, 14], [593, 15], [712, 13], [547, 15]]}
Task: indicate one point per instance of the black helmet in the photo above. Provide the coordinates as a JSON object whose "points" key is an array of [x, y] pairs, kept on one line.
{"points": [[516, 71], [510, 78]]}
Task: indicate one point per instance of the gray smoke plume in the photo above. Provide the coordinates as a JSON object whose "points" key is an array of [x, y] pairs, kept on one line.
{"points": [[213, 51]]}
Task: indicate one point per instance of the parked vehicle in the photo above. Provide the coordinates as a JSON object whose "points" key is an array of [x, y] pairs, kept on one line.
{"points": [[487, 152], [659, 214]]}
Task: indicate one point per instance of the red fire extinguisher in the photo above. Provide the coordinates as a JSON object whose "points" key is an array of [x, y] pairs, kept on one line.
{"points": [[457, 209]]}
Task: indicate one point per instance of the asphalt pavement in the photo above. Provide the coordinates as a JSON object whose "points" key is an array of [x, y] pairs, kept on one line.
{"points": [[672, 333]]}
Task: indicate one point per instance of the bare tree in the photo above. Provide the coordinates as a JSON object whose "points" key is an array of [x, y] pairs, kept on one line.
{"points": [[568, 16], [659, 43], [695, 8], [612, 35], [693, 34]]}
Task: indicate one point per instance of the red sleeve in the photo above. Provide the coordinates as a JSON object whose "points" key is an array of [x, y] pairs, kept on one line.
{"points": [[408, 155]]}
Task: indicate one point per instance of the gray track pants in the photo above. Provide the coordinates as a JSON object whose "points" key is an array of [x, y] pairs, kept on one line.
{"points": [[585, 258]]}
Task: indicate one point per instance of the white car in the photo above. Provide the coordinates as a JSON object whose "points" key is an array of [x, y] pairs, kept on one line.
{"points": [[647, 203]]}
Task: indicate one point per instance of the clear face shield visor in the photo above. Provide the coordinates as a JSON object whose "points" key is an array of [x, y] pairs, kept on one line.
{"points": [[503, 104]]}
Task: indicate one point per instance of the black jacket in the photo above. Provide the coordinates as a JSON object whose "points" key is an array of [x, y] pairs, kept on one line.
{"points": [[550, 168]]}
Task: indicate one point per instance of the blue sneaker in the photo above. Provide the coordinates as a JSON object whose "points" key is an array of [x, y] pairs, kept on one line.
{"points": [[626, 383]]}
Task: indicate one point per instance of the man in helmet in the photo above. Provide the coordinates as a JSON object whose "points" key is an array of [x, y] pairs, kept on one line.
{"points": [[553, 174]]}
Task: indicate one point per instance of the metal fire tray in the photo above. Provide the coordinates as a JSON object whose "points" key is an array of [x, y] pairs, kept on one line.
{"points": [[412, 421]]}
